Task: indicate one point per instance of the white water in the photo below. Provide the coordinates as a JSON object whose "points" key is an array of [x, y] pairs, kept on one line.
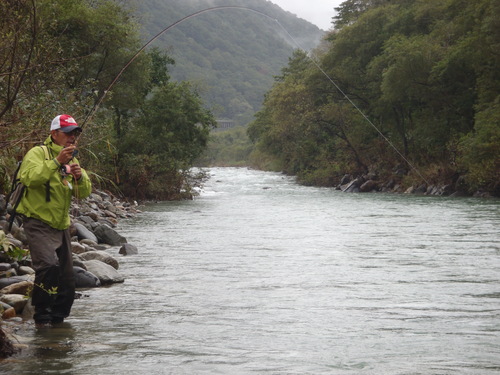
{"points": [[259, 275]]}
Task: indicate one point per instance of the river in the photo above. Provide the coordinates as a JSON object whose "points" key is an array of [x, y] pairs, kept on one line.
{"points": [[259, 275]]}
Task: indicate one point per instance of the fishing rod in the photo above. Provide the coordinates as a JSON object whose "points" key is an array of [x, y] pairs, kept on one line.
{"points": [[317, 65]]}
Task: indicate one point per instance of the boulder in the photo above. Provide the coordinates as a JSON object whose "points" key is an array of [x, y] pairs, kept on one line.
{"points": [[77, 248], [368, 186], [9, 313], [102, 256], [12, 280], [25, 270], [23, 288], [108, 235], [17, 301], [28, 311], [85, 279], [5, 267], [104, 272], [83, 233], [128, 249]]}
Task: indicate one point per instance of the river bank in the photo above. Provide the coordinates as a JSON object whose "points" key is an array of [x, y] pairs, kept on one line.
{"points": [[93, 231]]}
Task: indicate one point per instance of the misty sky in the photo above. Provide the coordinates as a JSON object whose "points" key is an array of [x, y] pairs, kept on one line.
{"points": [[319, 12]]}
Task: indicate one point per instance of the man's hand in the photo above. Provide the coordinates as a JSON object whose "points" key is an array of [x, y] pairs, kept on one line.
{"points": [[65, 155], [76, 171]]}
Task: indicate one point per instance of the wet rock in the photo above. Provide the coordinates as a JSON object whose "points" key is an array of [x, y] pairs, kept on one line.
{"points": [[12, 280], [83, 233], [17, 301], [28, 310], [9, 313], [24, 287], [77, 248], [108, 235], [128, 249], [368, 186], [101, 256], [85, 279], [5, 267], [25, 270], [104, 272]]}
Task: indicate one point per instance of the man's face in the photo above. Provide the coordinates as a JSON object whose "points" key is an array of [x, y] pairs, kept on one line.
{"points": [[64, 139]]}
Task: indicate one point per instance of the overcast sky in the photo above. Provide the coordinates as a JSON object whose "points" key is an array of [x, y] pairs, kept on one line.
{"points": [[319, 12]]}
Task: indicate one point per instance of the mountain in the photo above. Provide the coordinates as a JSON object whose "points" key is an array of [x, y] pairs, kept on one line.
{"points": [[231, 53]]}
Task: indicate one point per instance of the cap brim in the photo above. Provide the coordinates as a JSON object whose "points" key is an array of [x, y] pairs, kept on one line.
{"points": [[68, 129]]}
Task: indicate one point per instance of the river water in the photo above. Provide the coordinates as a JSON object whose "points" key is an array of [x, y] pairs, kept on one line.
{"points": [[259, 275]]}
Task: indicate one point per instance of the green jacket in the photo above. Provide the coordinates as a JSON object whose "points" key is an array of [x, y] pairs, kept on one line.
{"points": [[34, 173]]}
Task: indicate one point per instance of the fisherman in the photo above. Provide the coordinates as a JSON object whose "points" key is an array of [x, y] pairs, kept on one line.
{"points": [[52, 176]]}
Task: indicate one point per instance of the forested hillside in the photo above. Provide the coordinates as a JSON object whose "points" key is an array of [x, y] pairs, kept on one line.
{"points": [[231, 54], [141, 130], [422, 98]]}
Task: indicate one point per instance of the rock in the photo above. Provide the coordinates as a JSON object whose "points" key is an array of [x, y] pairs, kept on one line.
{"points": [[25, 270], [24, 287], [90, 243], [85, 279], [86, 220], [102, 256], [5, 267], [17, 301], [368, 186], [83, 233], [128, 249], [77, 262], [4, 306], [345, 180], [353, 186], [8, 273], [108, 235], [12, 280], [77, 248], [28, 310], [104, 272], [9, 313]]}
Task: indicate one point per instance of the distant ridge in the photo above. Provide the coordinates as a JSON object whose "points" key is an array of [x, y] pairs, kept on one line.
{"points": [[231, 54]]}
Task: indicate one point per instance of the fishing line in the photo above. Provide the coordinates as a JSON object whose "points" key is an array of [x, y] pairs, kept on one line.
{"points": [[98, 103], [354, 105]]}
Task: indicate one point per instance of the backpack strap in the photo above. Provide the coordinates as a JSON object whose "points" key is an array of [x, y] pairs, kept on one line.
{"points": [[47, 184]]}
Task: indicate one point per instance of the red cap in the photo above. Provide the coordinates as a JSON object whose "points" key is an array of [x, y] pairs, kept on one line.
{"points": [[64, 123]]}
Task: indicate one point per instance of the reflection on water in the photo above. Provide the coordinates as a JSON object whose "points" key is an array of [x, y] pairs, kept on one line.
{"points": [[259, 275]]}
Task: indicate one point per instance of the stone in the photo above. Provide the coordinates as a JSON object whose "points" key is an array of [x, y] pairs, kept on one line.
{"points": [[28, 311], [23, 287], [77, 248], [368, 186], [83, 233], [85, 279], [87, 242], [25, 270], [9, 313], [128, 249], [108, 235], [102, 256], [104, 272], [17, 301], [5, 266], [11, 272]]}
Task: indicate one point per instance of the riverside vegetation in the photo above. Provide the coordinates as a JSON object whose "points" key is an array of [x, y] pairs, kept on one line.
{"points": [[427, 76]]}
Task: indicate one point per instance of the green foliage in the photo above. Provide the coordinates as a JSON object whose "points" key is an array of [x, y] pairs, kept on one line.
{"points": [[228, 148], [166, 138], [10, 250], [63, 58], [426, 74]]}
